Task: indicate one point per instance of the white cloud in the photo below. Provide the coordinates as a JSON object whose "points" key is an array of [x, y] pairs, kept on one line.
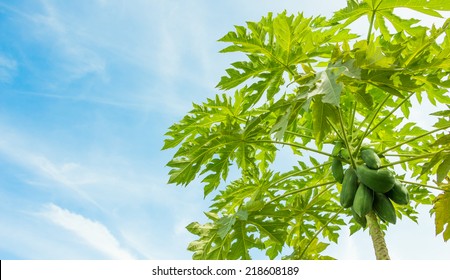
{"points": [[73, 59], [65, 55], [149, 39], [65, 176], [8, 67], [132, 199], [169, 54], [92, 232], [26, 236]]}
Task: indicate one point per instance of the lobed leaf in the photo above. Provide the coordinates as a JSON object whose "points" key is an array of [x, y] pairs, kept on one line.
{"points": [[442, 215], [443, 169], [322, 114], [443, 141]]}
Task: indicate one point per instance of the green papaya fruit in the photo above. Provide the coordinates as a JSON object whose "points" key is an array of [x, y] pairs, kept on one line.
{"points": [[380, 180], [337, 170], [383, 208], [349, 187], [370, 158], [344, 154], [398, 194], [361, 220], [337, 148], [362, 204]]}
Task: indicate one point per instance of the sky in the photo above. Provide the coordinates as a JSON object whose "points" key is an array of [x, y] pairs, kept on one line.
{"points": [[87, 91]]}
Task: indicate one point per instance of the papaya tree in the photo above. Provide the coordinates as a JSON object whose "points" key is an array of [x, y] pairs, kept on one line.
{"points": [[341, 104]]}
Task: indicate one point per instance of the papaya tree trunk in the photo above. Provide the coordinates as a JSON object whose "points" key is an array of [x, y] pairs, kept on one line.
{"points": [[379, 244]]}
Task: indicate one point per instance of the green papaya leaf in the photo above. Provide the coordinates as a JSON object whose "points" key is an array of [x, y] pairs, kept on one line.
{"points": [[442, 214]]}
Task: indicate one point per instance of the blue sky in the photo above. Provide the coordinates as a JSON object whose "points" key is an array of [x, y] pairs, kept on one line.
{"points": [[87, 91]]}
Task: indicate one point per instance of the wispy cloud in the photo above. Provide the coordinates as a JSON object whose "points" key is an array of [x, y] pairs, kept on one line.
{"points": [[92, 232], [16, 149], [81, 60], [146, 46], [8, 68], [131, 199]]}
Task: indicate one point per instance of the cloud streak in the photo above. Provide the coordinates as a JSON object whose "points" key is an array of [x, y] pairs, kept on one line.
{"points": [[80, 60], [132, 200], [16, 149], [149, 56], [8, 68], [92, 232]]}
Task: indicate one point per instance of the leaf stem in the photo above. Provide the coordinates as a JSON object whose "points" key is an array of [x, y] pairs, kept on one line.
{"points": [[297, 173], [372, 20], [399, 155], [360, 126], [335, 130], [341, 121], [424, 185], [299, 134], [408, 160], [414, 138], [390, 113], [313, 200], [294, 145], [358, 147], [319, 231], [299, 191], [352, 118]]}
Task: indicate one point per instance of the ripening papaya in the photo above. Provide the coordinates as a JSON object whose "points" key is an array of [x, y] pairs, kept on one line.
{"points": [[380, 180], [349, 187], [337, 170], [383, 207], [370, 158], [399, 194], [362, 204]]}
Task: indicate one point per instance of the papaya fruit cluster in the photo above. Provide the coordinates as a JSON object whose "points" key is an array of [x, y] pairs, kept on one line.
{"points": [[368, 187]]}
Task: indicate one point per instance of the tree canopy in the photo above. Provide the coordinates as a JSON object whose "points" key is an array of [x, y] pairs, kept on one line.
{"points": [[312, 84]]}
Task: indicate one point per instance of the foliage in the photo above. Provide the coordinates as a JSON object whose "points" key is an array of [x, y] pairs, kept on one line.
{"points": [[441, 206], [308, 84]]}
